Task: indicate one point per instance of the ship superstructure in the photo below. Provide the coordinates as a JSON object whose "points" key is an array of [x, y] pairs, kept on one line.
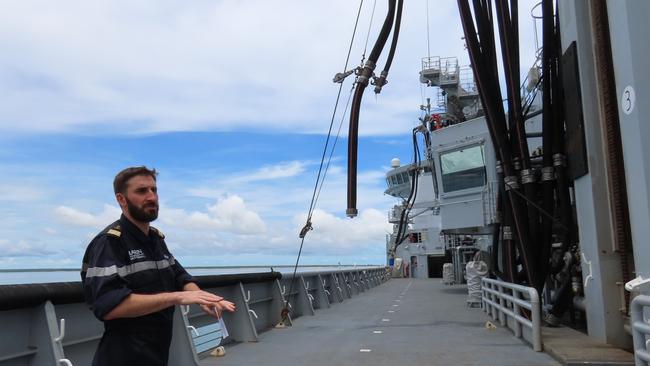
{"points": [[550, 180], [454, 209]]}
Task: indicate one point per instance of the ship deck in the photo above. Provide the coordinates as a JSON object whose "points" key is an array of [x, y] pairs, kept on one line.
{"points": [[403, 321]]}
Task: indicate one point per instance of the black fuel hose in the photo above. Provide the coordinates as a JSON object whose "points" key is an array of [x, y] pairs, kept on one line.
{"points": [[362, 82], [381, 80], [482, 56]]}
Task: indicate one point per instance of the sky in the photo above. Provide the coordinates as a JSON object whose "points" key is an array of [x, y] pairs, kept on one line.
{"points": [[229, 100]]}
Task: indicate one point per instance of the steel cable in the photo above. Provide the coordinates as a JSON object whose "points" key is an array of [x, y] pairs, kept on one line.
{"points": [[316, 191]]}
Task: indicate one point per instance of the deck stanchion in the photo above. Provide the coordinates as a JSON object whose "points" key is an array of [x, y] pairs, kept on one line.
{"points": [[302, 302], [278, 302], [336, 286], [343, 285], [517, 311], [502, 316], [240, 323], [181, 350], [321, 295]]}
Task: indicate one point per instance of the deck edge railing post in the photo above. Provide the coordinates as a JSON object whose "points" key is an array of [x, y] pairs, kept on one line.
{"points": [[360, 281], [182, 351], [240, 324], [517, 312], [42, 334], [536, 319], [323, 299], [302, 298], [343, 284], [336, 287], [502, 315], [278, 302]]}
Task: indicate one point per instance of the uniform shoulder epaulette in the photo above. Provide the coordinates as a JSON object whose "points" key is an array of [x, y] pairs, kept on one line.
{"points": [[115, 231], [162, 236]]}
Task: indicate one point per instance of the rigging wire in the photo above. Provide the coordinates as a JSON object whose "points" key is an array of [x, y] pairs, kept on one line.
{"points": [[372, 16], [329, 132], [428, 40], [307, 227]]}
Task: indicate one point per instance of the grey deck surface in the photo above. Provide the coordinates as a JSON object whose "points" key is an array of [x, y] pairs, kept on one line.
{"points": [[430, 326]]}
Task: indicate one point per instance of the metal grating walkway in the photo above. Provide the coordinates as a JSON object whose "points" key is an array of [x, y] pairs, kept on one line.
{"points": [[404, 321]]}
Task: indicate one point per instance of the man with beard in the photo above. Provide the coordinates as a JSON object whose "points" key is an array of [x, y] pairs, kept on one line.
{"points": [[132, 282]]}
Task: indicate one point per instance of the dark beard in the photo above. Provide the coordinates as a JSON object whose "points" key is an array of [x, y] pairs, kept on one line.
{"points": [[141, 214]]}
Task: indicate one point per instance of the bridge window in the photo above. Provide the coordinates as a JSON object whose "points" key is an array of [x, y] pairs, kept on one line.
{"points": [[463, 168]]}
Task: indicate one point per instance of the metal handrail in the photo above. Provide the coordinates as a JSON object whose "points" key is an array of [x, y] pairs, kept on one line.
{"points": [[640, 330], [500, 305]]}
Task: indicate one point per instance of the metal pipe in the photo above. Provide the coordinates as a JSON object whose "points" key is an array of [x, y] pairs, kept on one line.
{"points": [[381, 81], [362, 82], [510, 53], [483, 63], [548, 187], [559, 159]]}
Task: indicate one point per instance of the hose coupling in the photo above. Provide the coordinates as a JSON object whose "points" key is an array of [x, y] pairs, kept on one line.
{"points": [[548, 173], [528, 176], [499, 167], [511, 182], [559, 160]]}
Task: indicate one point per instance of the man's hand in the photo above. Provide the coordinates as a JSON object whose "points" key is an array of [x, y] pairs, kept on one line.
{"points": [[216, 311], [198, 297]]}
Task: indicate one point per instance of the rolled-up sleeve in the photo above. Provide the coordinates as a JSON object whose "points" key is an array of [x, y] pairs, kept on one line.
{"points": [[104, 289]]}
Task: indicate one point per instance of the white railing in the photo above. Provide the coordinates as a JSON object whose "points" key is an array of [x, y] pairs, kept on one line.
{"points": [[640, 330], [504, 301]]}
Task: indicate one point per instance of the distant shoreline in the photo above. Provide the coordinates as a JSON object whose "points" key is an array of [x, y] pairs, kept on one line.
{"points": [[198, 267]]}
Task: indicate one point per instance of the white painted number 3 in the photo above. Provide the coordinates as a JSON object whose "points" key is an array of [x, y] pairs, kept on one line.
{"points": [[628, 99]]}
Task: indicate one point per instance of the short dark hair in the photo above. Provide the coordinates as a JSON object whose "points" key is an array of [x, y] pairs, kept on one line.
{"points": [[119, 184]]}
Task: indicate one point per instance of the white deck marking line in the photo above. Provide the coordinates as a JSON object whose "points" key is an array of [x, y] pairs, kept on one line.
{"points": [[366, 350], [408, 286], [385, 320], [377, 331], [395, 305], [391, 311]]}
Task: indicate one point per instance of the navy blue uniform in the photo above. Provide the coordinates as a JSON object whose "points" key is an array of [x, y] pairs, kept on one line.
{"points": [[119, 261]]}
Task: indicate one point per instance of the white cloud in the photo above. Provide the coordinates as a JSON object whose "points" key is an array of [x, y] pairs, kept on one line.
{"points": [[369, 228], [203, 65], [22, 248], [278, 171], [75, 217], [228, 214]]}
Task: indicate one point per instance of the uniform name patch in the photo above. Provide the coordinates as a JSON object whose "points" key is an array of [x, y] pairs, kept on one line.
{"points": [[136, 254]]}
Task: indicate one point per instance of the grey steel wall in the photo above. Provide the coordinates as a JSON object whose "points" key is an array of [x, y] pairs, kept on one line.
{"points": [[629, 29], [600, 264]]}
